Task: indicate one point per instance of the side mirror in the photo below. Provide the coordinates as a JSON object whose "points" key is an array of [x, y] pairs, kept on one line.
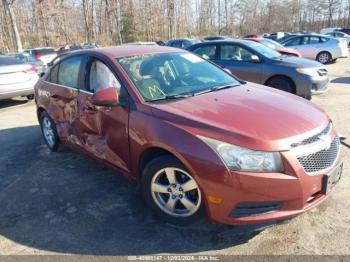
{"points": [[106, 97], [255, 59]]}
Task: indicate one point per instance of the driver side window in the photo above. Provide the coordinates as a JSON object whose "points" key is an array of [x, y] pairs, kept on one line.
{"points": [[235, 53], [101, 77]]}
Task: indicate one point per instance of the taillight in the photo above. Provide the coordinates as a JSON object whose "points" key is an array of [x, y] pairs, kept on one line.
{"points": [[31, 70]]}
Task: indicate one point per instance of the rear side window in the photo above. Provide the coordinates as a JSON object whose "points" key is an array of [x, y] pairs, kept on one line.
{"points": [[66, 73], [6, 61], [54, 74], [323, 39], [207, 52]]}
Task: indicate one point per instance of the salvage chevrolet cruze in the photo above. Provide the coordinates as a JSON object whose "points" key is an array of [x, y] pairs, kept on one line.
{"points": [[198, 140]]}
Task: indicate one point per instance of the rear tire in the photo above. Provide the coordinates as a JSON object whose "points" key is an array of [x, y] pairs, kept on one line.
{"points": [[324, 57], [163, 185], [49, 131], [281, 83]]}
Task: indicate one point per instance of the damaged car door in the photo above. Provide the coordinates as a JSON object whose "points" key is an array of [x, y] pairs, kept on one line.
{"points": [[103, 129]]}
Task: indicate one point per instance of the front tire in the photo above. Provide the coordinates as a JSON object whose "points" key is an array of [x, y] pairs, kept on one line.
{"points": [[171, 192], [324, 57], [49, 131], [281, 83]]}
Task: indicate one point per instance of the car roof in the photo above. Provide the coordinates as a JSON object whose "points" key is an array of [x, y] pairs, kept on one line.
{"points": [[226, 41], [128, 50]]}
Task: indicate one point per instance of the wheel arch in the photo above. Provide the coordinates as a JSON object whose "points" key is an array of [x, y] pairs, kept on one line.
{"points": [[284, 76], [39, 111], [151, 153]]}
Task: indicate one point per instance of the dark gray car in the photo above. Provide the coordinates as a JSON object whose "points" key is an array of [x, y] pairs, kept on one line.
{"points": [[254, 62]]}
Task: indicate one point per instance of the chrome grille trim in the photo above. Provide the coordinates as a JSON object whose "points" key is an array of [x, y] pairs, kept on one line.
{"points": [[319, 152], [327, 131], [321, 160]]}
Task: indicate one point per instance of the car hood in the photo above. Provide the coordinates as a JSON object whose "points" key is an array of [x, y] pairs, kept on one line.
{"points": [[249, 115], [296, 62]]}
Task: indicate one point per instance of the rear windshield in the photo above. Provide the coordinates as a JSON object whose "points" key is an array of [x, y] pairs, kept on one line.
{"points": [[45, 51], [6, 61]]}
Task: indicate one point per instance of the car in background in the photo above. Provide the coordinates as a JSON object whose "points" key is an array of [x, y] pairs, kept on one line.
{"points": [[275, 46], [45, 54], [276, 36], [68, 48], [345, 30], [199, 141], [338, 34], [16, 78], [321, 48], [216, 37], [88, 46], [254, 62], [182, 42], [29, 59], [141, 43], [327, 30]]}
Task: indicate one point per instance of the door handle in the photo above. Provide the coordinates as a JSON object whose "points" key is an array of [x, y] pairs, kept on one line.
{"points": [[55, 96], [90, 110]]}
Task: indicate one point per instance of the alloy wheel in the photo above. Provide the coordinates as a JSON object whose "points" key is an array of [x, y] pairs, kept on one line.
{"points": [[175, 192], [48, 131], [324, 58]]}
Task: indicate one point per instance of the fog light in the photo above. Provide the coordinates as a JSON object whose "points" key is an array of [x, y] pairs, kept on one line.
{"points": [[215, 200]]}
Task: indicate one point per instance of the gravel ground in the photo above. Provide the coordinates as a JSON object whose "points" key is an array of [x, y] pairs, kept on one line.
{"points": [[66, 203]]}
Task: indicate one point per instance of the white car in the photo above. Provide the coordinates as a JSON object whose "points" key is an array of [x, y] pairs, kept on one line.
{"points": [[16, 78], [44, 54], [322, 48], [337, 34], [327, 30]]}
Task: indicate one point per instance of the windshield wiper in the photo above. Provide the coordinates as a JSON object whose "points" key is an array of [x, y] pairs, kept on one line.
{"points": [[170, 97], [215, 88]]}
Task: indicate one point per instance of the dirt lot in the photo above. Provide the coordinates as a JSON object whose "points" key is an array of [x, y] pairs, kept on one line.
{"points": [[67, 203]]}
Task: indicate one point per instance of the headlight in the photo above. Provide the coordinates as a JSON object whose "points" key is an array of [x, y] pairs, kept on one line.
{"points": [[308, 71], [243, 159]]}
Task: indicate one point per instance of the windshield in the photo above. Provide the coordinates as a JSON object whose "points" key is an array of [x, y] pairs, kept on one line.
{"points": [[165, 75], [263, 50], [271, 44]]}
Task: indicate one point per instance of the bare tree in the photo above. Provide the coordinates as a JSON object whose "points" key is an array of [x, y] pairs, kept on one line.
{"points": [[8, 5]]}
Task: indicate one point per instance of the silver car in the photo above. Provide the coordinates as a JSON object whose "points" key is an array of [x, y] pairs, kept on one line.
{"points": [[322, 48], [337, 34], [16, 78]]}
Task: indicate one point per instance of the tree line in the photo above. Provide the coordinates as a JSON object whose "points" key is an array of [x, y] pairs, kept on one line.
{"points": [[32, 23]]}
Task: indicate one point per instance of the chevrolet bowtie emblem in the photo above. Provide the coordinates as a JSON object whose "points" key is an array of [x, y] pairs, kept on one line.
{"points": [[326, 141]]}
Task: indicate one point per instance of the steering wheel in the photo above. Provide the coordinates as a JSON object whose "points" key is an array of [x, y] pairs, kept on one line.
{"points": [[184, 79]]}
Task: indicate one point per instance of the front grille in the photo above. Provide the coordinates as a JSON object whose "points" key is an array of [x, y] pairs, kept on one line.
{"points": [[314, 138], [321, 160], [255, 209]]}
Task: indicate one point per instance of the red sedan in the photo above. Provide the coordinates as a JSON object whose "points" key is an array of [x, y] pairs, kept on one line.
{"points": [[276, 46], [198, 140]]}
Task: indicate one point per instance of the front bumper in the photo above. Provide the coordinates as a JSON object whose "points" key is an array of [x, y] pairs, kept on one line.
{"points": [[307, 85], [295, 190], [15, 93]]}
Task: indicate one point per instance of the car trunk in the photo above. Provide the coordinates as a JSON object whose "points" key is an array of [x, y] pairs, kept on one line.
{"points": [[15, 74]]}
